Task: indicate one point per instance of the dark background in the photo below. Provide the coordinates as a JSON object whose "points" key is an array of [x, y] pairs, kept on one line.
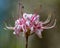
{"points": [[8, 11]]}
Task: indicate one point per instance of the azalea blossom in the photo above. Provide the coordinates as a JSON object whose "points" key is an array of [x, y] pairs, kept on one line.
{"points": [[30, 23]]}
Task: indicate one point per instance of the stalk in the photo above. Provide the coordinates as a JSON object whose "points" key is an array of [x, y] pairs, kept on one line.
{"points": [[26, 41]]}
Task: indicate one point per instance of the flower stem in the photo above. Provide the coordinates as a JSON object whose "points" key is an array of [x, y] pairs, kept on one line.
{"points": [[27, 42]]}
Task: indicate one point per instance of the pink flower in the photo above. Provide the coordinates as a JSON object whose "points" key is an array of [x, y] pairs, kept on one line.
{"points": [[30, 22]]}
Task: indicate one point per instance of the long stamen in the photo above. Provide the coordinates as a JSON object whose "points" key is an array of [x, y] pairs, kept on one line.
{"points": [[11, 28], [50, 26], [20, 10], [6, 27], [48, 19]]}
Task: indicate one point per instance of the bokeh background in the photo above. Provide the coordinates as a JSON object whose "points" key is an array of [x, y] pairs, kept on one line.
{"points": [[8, 11]]}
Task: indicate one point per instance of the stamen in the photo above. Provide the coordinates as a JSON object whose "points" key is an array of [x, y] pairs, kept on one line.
{"points": [[50, 26], [11, 28], [48, 19]]}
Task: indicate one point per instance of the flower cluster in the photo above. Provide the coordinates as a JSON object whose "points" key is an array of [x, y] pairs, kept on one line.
{"points": [[30, 23]]}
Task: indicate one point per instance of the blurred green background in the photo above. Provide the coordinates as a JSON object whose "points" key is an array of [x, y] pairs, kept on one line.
{"points": [[8, 11]]}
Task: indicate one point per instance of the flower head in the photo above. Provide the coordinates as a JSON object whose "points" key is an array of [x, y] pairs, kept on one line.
{"points": [[30, 23]]}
